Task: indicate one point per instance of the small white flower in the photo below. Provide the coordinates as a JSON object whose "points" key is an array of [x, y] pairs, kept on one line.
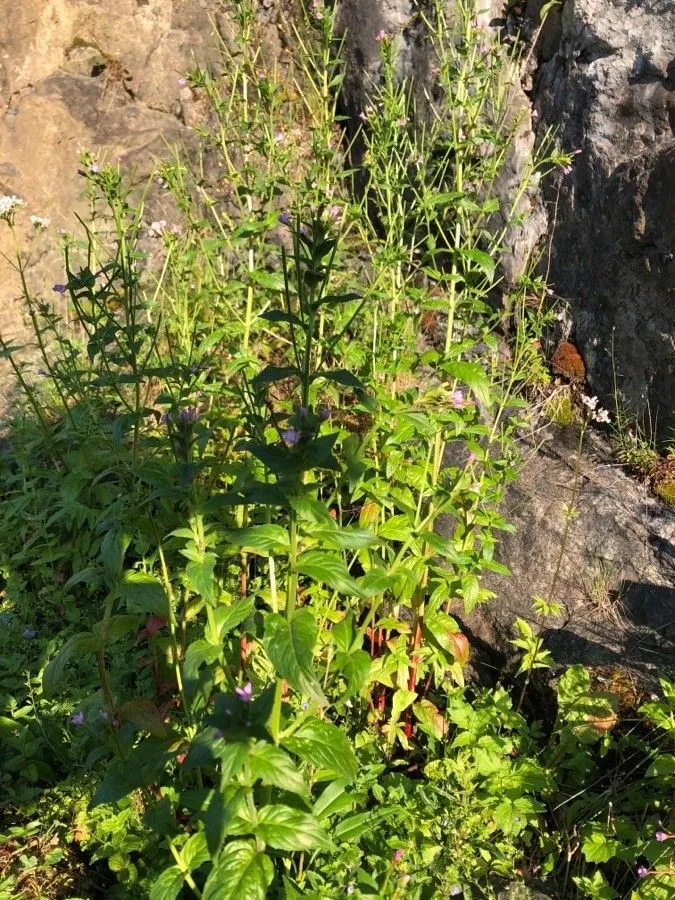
{"points": [[9, 204], [156, 229], [40, 222], [590, 402], [601, 415]]}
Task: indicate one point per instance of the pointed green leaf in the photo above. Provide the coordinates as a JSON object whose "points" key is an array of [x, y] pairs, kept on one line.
{"points": [[143, 592], [274, 766], [327, 568], [285, 828], [289, 645], [324, 745], [77, 646], [241, 872]]}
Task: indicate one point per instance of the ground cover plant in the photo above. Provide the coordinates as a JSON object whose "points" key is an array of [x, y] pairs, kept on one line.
{"points": [[230, 665]]}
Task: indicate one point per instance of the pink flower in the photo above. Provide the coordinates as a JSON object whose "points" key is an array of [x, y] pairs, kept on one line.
{"points": [[77, 719], [661, 836], [382, 36], [459, 401], [643, 871], [397, 857], [152, 626]]}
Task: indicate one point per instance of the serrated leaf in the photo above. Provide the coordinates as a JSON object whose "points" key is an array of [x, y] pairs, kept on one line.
{"points": [[326, 568], [169, 884], [273, 766], [143, 592], [262, 538], [289, 644], [285, 828], [241, 872], [200, 575], [323, 745]]}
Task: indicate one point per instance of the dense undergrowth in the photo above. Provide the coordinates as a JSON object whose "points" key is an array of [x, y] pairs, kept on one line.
{"points": [[228, 662]]}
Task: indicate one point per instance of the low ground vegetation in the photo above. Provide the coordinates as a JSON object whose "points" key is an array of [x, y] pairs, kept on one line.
{"points": [[229, 665]]}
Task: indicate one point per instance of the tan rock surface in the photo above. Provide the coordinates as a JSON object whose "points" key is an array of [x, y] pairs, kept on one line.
{"points": [[101, 75]]}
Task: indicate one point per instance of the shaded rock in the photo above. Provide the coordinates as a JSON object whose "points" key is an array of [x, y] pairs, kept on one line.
{"points": [[616, 569], [606, 79]]}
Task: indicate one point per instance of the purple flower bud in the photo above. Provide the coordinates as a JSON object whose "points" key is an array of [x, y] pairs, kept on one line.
{"points": [[285, 218], [166, 418], [245, 694], [304, 411], [643, 871], [397, 857], [42, 372], [335, 211], [291, 436], [455, 890], [325, 413], [77, 719], [29, 633], [189, 415], [661, 836], [60, 288]]}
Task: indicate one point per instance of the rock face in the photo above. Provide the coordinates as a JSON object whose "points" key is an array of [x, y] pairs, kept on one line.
{"points": [[78, 74], [606, 78], [616, 579]]}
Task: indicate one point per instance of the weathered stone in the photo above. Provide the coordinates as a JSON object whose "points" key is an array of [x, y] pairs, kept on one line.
{"points": [[612, 567], [606, 80]]}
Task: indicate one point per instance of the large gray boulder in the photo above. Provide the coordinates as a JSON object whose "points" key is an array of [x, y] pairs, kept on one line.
{"points": [[606, 80], [615, 561]]}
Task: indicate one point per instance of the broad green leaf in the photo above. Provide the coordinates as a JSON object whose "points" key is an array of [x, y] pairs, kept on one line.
{"points": [[279, 315], [355, 666], [194, 851], [598, 846], [595, 887], [397, 528], [262, 538], [241, 872], [118, 627], [271, 281], [473, 375], [289, 644], [400, 701], [326, 568], [483, 260], [344, 378], [77, 646], [285, 828], [343, 538], [120, 780], [333, 799], [113, 547], [169, 884], [144, 714], [272, 374], [324, 745], [143, 592], [200, 575], [274, 766], [227, 618]]}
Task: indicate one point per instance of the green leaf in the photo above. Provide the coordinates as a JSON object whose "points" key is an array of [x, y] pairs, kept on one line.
{"points": [[352, 828], [278, 315], [169, 884], [200, 575], [143, 592], [289, 645], [270, 281], [227, 618], [329, 569], [596, 845], [285, 828], [77, 646], [273, 766], [113, 547], [194, 851], [118, 627], [595, 887], [397, 528], [265, 538], [324, 745], [343, 377], [473, 375], [144, 714], [272, 374], [354, 666], [241, 872], [120, 780], [483, 260], [334, 799], [343, 538]]}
